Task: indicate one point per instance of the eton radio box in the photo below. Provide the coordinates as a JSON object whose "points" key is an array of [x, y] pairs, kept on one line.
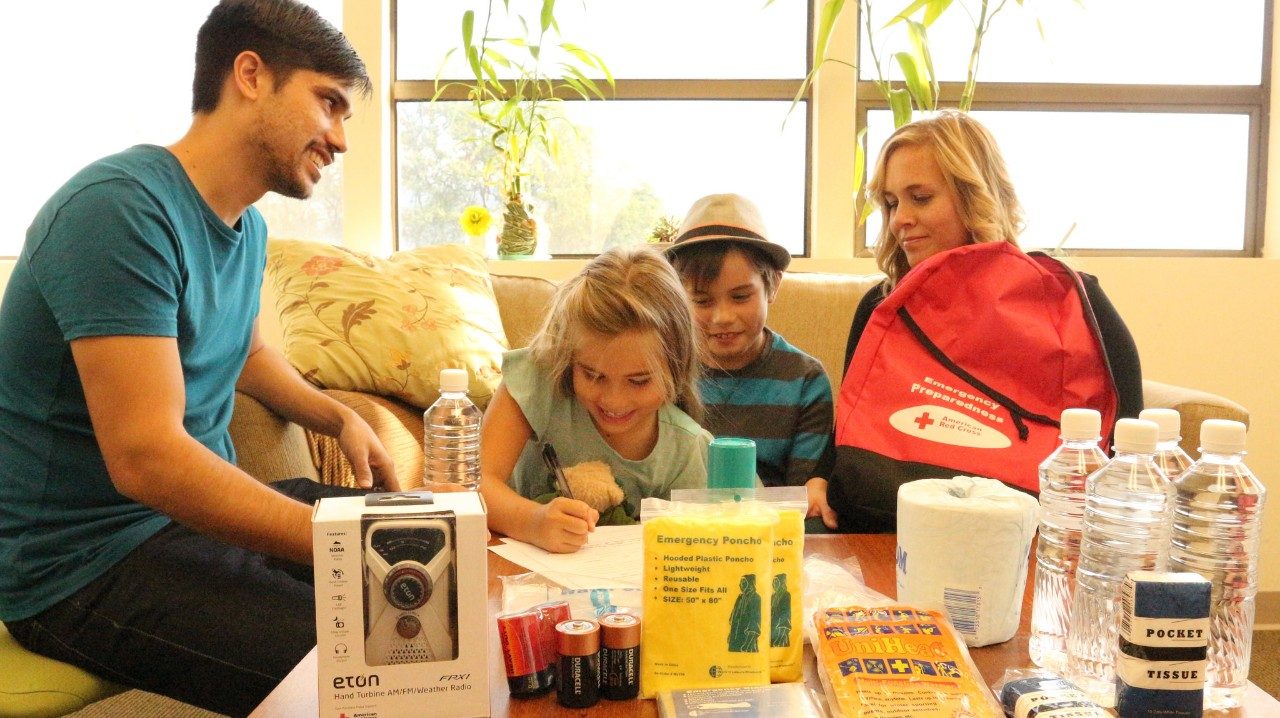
{"points": [[401, 591]]}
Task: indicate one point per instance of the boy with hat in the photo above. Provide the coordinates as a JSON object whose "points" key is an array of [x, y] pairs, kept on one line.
{"points": [[755, 384]]}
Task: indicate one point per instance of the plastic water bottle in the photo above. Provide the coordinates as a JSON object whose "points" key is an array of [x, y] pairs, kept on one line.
{"points": [[1062, 479], [1170, 457], [1216, 521], [451, 441], [1126, 528]]}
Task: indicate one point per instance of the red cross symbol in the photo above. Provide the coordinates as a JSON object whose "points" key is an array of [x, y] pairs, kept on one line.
{"points": [[923, 420]]}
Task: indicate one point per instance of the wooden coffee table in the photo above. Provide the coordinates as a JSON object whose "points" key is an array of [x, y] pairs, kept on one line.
{"points": [[297, 695]]}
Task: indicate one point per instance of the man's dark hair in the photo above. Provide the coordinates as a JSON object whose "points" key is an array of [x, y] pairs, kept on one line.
{"points": [[701, 265], [287, 35]]}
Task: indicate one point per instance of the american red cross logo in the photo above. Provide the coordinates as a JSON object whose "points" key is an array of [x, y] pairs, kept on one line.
{"points": [[923, 420]]}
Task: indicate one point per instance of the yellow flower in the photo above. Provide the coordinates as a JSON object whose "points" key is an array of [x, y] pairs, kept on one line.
{"points": [[475, 220]]}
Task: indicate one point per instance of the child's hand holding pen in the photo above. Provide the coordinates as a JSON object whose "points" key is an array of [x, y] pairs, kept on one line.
{"points": [[553, 463], [565, 523]]}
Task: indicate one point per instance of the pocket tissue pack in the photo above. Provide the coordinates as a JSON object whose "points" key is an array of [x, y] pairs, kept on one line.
{"points": [[1164, 645]]}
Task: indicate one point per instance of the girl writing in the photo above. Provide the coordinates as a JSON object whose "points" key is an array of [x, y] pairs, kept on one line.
{"points": [[611, 377]]}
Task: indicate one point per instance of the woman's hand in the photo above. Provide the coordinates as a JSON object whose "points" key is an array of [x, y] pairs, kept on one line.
{"points": [[818, 505], [562, 526]]}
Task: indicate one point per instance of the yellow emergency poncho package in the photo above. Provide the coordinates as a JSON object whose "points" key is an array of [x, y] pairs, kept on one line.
{"points": [[897, 662], [707, 578], [786, 640]]}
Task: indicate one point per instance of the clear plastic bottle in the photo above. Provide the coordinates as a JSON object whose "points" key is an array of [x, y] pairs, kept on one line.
{"points": [[1126, 528], [1062, 478], [1170, 457], [1216, 522], [451, 436]]}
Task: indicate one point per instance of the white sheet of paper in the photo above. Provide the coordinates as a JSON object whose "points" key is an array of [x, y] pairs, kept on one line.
{"points": [[612, 558]]}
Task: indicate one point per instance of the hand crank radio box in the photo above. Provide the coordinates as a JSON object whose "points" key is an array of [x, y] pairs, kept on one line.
{"points": [[401, 593]]}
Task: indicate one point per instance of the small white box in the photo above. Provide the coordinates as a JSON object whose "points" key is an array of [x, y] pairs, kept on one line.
{"points": [[401, 594]]}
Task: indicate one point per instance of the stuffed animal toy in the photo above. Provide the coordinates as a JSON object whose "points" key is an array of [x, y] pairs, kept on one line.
{"points": [[592, 483]]}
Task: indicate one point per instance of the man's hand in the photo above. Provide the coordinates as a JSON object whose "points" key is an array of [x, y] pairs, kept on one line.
{"points": [[562, 526], [818, 505], [371, 465]]}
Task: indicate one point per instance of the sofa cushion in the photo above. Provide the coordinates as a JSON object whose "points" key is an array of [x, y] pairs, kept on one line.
{"points": [[268, 447], [813, 311], [387, 326], [523, 303], [34, 686], [397, 424]]}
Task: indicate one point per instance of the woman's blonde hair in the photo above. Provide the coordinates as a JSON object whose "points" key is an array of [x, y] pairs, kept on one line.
{"points": [[624, 289], [971, 162]]}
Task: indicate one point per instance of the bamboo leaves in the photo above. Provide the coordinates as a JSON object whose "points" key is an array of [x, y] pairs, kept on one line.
{"points": [[516, 82]]}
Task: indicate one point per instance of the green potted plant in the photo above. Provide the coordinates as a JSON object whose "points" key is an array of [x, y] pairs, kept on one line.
{"points": [[919, 87], [515, 88], [664, 231]]}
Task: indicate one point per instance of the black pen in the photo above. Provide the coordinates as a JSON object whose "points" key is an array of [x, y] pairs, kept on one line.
{"points": [[553, 463]]}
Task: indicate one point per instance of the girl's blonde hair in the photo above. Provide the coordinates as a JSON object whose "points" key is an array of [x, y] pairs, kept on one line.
{"points": [[971, 162], [624, 289]]}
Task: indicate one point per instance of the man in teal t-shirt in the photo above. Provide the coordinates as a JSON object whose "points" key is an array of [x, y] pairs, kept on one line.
{"points": [[130, 544]]}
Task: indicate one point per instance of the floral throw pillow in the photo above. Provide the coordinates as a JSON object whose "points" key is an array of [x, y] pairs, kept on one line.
{"points": [[356, 322]]}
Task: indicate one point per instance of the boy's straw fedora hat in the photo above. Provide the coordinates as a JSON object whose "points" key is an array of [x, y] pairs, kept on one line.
{"points": [[727, 218]]}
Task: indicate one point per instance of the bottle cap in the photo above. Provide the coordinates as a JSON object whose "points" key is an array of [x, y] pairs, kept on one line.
{"points": [[1136, 436], [454, 380], [1222, 436], [731, 463], [1080, 424], [1169, 421]]}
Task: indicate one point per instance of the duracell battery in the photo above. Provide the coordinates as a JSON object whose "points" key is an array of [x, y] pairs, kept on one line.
{"points": [[620, 656], [578, 674], [522, 653], [550, 615]]}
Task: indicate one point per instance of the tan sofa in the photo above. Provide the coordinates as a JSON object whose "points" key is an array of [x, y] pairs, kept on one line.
{"points": [[813, 311]]}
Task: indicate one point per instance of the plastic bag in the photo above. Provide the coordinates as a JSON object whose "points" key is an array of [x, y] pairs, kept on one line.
{"points": [[1024, 690], [523, 591], [784, 636], [829, 581], [897, 661], [708, 570]]}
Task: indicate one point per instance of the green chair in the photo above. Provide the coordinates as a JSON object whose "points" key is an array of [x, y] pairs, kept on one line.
{"points": [[32, 686]]}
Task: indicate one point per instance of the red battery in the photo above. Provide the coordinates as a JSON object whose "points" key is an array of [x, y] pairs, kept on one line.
{"points": [[550, 614], [520, 636]]}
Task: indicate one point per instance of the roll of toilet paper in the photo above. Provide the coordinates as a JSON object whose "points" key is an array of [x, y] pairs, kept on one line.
{"points": [[962, 547]]}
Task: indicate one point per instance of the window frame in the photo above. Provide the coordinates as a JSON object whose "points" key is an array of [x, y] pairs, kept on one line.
{"points": [[745, 89], [1254, 101]]}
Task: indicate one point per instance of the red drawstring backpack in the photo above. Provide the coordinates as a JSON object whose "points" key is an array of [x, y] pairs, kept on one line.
{"points": [[964, 368]]}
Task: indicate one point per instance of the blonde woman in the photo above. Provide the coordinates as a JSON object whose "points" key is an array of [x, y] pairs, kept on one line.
{"points": [[941, 185], [611, 376]]}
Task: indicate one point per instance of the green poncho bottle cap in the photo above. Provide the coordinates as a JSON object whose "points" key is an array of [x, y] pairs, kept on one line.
{"points": [[731, 463]]}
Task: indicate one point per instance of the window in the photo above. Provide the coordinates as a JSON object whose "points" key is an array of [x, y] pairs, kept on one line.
{"points": [[83, 93], [1130, 128], [699, 108]]}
